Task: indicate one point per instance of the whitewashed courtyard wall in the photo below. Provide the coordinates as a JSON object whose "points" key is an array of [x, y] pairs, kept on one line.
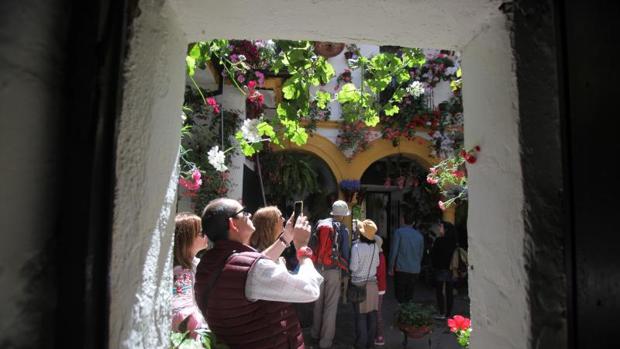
{"points": [[149, 140]]}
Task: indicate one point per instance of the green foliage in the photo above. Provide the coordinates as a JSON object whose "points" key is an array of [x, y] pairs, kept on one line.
{"points": [[201, 130], [288, 175], [378, 74], [414, 314], [305, 68], [205, 340]]}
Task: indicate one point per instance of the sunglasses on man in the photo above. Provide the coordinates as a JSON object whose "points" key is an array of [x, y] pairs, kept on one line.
{"points": [[246, 213]]}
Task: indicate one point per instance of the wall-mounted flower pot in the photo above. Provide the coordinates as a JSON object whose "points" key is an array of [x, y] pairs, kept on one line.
{"points": [[328, 49]]}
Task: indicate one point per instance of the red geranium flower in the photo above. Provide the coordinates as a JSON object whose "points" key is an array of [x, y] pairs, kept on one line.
{"points": [[459, 323], [470, 159]]}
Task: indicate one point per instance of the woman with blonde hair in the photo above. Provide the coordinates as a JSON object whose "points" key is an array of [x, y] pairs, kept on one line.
{"points": [[269, 224], [188, 241]]}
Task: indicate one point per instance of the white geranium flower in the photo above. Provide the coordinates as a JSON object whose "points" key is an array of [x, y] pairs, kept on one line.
{"points": [[241, 58], [250, 130], [416, 89], [217, 159]]}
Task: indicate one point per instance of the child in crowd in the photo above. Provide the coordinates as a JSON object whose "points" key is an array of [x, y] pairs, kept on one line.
{"points": [[188, 241]]}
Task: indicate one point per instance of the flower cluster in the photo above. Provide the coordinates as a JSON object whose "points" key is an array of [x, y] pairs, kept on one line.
{"points": [[315, 115], [447, 137], [450, 176], [351, 52], [461, 327], [217, 159], [343, 78], [211, 102], [249, 130], [192, 185], [353, 138], [439, 66], [250, 59], [254, 101], [415, 89]]}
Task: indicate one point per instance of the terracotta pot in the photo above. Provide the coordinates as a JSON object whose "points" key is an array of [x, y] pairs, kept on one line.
{"points": [[328, 49], [416, 332]]}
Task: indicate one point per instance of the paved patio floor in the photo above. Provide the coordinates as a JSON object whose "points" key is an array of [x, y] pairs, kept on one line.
{"points": [[441, 338]]}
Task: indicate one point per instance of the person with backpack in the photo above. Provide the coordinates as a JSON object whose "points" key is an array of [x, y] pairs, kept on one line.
{"points": [[330, 247]]}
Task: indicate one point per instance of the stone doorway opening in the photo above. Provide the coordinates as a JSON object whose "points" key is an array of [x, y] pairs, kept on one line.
{"points": [[148, 140]]}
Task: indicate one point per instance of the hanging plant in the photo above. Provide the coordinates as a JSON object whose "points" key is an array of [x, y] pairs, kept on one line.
{"points": [[288, 175], [353, 138], [202, 180], [349, 188], [450, 176], [328, 49]]}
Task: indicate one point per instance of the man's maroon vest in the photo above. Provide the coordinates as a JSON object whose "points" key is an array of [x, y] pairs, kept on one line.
{"points": [[235, 320]]}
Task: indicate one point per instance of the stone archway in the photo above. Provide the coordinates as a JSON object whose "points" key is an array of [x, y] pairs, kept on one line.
{"points": [[148, 141], [380, 148], [326, 150]]}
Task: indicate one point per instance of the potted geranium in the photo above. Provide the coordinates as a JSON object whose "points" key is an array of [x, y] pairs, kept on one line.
{"points": [[414, 320], [461, 327]]}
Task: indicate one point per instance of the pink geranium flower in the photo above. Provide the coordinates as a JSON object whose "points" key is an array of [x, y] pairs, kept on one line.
{"points": [[261, 78], [459, 323], [213, 104]]}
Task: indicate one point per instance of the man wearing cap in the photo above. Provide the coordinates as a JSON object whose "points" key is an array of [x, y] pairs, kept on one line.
{"points": [[244, 295], [330, 244]]}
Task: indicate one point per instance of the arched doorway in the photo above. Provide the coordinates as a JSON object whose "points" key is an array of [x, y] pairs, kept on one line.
{"points": [[395, 184]]}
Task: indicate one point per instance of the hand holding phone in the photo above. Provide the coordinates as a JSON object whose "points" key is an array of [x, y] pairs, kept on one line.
{"points": [[298, 210]]}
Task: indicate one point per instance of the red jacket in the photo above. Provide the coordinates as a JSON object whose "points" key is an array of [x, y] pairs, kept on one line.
{"points": [[381, 270]]}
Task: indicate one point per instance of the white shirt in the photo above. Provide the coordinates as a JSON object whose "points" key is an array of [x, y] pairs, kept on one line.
{"points": [[364, 262], [271, 281]]}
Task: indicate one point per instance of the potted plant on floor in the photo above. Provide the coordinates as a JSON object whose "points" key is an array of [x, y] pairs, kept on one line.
{"points": [[414, 320]]}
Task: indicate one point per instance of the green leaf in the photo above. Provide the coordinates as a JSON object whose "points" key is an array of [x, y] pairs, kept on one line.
{"points": [[459, 72], [372, 118], [348, 93], [190, 64], [322, 99], [291, 89], [324, 70], [265, 129], [390, 109], [403, 77], [399, 94], [194, 52], [300, 137]]}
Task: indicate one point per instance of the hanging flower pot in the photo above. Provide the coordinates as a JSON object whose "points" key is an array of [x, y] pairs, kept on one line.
{"points": [[328, 49]]}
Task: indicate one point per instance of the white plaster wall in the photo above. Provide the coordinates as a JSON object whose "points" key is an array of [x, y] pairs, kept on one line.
{"points": [[497, 279], [146, 174], [446, 24]]}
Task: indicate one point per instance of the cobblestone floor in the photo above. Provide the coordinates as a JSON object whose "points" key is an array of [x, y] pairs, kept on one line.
{"points": [[441, 338]]}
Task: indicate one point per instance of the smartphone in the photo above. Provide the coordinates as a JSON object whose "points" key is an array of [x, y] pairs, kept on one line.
{"points": [[298, 210]]}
